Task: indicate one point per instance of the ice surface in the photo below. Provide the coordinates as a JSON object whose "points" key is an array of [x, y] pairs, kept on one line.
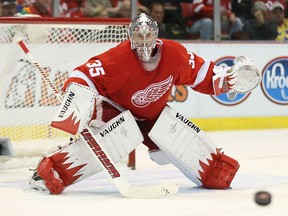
{"points": [[262, 154]]}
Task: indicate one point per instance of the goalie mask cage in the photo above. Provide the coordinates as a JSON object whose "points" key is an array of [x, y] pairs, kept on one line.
{"points": [[27, 104]]}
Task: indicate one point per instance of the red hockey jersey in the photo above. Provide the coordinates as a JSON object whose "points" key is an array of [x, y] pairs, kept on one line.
{"points": [[118, 76]]}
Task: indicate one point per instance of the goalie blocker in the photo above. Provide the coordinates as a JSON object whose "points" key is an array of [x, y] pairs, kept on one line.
{"points": [[180, 142]]}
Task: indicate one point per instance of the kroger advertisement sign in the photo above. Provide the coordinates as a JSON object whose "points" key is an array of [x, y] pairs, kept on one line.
{"points": [[275, 80]]}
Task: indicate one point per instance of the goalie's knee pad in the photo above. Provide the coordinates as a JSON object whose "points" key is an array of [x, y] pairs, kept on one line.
{"points": [[192, 151]]}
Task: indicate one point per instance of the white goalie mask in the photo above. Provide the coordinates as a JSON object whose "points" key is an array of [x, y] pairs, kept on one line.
{"points": [[143, 33]]}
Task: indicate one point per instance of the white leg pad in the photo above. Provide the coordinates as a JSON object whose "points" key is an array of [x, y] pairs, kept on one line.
{"points": [[183, 143], [76, 161], [119, 137], [159, 157]]}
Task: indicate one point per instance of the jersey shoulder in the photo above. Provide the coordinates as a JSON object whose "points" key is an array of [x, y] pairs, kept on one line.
{"points": [[121, 51], [173, 47], [171, 44], [174, 51]]}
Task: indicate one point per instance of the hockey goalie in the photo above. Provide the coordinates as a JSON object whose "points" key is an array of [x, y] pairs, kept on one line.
{"points": [[122, 96]]}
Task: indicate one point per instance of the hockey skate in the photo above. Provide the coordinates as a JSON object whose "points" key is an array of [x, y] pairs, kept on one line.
{"points": [[37, 183]]}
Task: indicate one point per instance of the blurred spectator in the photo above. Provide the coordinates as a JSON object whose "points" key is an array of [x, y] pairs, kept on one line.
{"points": [[41, 8], [166, 30], [277, 13], [200, 18], [96, 8], [242, 9], [202, 14], [171, 8], [230, 23], [286, 9], [157, 13], [123, 10], [270, 2], [114, 3], [25, 3], [9, 8], [71, 8], [261, 27], [147, 3]]}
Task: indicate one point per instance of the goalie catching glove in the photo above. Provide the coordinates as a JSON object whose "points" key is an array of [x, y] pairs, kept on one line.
{"points": [[241, 78]]}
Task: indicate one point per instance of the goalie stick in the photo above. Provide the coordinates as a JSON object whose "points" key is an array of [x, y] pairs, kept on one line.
{"points": [[126, 189]]}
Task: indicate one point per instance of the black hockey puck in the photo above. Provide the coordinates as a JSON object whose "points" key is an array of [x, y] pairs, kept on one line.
{"points": [[263, 198]]}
